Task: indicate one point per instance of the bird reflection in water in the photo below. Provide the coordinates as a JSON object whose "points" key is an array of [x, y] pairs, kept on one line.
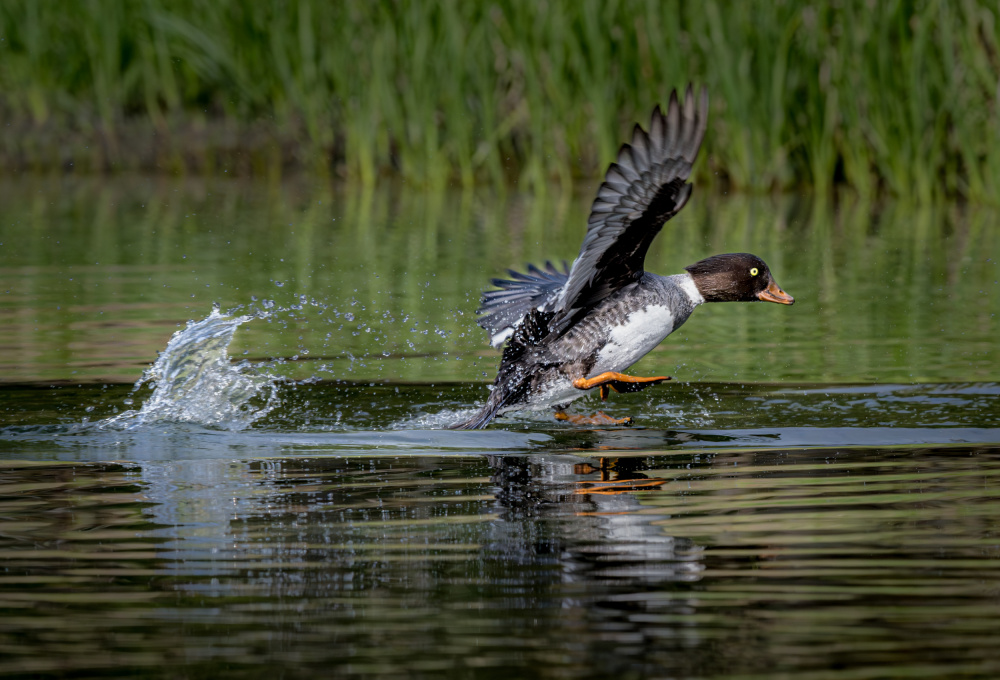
{"points": [[591, 513]]}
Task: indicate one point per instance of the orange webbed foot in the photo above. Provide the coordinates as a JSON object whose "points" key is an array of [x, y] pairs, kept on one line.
{"points": [[619, 382]]}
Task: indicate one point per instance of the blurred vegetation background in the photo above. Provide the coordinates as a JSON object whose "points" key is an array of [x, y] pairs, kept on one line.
{"points": [[880, 96]]}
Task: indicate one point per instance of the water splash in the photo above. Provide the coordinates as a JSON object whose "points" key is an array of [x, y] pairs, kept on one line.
{"points": [[195, 382]]}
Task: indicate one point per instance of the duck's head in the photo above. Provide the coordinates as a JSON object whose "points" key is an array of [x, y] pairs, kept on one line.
{"points": [[736, 277]]}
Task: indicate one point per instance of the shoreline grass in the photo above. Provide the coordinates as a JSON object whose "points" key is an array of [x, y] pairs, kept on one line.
{"points": [[886, 97]]}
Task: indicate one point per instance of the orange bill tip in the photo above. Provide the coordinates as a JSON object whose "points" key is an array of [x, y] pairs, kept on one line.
{"points": [[773, 293]]}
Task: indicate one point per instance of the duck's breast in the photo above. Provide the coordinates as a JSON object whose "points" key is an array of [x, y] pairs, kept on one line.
{"points": [[634, 337], [643, 318]]}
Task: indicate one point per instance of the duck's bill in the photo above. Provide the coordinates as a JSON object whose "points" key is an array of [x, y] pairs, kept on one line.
{"points": [[774, 294]]}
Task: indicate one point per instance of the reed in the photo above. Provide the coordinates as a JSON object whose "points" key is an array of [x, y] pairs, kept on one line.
{"points": [[895, 96]]}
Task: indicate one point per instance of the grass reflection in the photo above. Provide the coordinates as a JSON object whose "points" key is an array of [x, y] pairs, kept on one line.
{"points": [[105, 271]]}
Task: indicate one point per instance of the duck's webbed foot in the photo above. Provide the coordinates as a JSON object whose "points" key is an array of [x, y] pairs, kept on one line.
{"points": [[598, 418], [619, 382]]}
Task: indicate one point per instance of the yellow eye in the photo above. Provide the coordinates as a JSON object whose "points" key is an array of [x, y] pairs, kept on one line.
{"points": [[753, 271]]}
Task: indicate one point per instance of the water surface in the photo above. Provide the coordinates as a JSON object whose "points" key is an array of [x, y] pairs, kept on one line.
{"points": [[814, 495], [95, 276]]}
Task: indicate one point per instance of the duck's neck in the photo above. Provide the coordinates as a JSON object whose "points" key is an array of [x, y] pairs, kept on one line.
{"points": [[687, 284]]}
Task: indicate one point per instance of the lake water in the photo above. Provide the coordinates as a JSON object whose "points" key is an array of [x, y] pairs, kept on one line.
{"points": [[816, 494]]}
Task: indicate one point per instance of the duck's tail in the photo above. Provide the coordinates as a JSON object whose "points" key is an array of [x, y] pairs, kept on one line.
{"points": [[510, 389], [517, 372], [479, 420], [483, 416]]}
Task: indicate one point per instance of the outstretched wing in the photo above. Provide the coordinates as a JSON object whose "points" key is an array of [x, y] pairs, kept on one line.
{"points": [[502, 310], [641, 191]]}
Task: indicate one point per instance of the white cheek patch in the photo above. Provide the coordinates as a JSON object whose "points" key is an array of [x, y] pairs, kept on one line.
{"points": [[691, 290]]}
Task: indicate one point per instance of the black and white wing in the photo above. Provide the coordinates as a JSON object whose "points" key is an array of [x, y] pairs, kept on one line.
{"points": [[641, 191], [502, 310]]}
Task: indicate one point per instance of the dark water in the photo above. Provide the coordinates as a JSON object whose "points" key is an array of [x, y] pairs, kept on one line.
{"points": [[815, 495]]}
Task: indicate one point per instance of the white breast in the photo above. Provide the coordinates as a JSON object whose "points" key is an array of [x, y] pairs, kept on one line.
{"points": [[642, 330]]}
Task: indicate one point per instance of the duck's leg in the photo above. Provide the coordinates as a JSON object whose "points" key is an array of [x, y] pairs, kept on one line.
{"points": [[619, 382]]}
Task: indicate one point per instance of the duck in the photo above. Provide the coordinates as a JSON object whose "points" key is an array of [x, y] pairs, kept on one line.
{"points": [[566, 331]]}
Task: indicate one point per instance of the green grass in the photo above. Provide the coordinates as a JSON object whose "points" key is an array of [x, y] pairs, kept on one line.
{"points": [[889, 96]]}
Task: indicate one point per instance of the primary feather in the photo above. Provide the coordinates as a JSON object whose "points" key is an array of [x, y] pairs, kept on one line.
{"points": [[643, 189]]}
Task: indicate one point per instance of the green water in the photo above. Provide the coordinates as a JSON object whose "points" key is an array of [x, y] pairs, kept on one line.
{"points": [[95, 277], [813, 496]]}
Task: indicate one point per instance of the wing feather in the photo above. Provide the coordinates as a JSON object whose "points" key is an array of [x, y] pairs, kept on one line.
{"points": [[642, 189], [502, 310]]}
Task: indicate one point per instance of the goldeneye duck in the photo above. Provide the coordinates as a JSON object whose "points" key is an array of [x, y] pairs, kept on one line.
{"points": [[570, 330]]}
